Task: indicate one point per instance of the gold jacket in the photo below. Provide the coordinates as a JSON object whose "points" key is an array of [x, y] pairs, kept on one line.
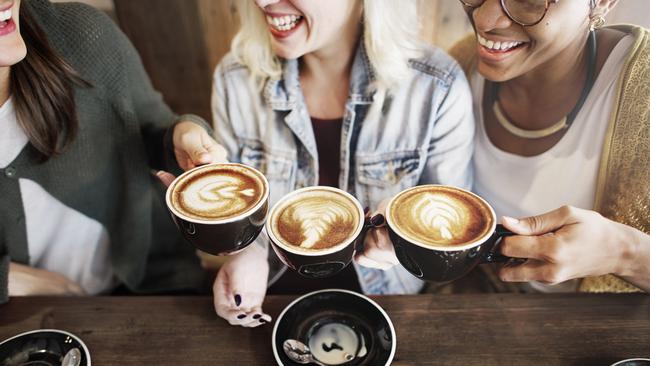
{"points": [[623, 186]]}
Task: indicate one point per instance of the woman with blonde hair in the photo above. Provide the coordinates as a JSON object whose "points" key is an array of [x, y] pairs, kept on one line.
{"points": [[335, 93]]}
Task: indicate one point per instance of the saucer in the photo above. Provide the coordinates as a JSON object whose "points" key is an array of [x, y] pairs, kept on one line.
{"points": [[323, 319], [43, 347], [633, 362]]}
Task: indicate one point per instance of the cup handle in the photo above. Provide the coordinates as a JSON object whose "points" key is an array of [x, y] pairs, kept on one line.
{"points": [[491, 255]]}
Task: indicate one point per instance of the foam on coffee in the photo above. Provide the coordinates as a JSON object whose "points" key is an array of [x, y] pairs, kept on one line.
{"points": [[218, 192], [315, 219], [440, 216]]}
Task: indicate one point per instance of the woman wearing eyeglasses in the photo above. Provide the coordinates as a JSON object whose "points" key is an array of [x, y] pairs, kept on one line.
{"points": [[563, 130]]}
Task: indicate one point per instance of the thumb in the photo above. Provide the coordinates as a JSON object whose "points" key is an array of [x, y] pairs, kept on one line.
{"points": [[165, 177], [540, 224], [194, 148]]}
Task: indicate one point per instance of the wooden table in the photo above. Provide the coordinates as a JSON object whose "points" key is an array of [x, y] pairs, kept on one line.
{"points": [[476, 329]]}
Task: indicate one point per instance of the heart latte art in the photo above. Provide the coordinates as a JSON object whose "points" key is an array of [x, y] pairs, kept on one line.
{"points": [[315, 219], [218, 192], [439, 215]]}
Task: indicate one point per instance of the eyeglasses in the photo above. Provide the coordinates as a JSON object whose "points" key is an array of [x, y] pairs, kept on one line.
{"points": [[523, 12]]}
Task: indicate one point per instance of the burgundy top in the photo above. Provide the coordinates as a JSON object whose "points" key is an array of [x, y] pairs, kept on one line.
{"points": [[328, 145]]}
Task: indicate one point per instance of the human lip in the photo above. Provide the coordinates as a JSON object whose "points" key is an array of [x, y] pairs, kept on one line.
{"points": [[498, 45], [7, 25], [497, 50], [282, 25]]}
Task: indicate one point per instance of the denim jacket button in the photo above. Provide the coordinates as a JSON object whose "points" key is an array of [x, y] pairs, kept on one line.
{"points": [[10, 172]]}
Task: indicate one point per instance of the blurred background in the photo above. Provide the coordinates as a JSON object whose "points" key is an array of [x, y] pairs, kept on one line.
{"points": [[181, 41]]}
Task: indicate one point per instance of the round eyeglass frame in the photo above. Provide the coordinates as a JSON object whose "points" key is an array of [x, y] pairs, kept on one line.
{"points": [[507, 12]]}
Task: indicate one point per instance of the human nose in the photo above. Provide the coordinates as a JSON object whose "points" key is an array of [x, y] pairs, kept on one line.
{"points": [[490, 15]]}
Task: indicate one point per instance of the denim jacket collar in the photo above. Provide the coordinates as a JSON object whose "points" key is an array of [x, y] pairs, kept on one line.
{"points": [[285, 93]]}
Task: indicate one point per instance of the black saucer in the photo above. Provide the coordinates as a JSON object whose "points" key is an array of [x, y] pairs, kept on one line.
{"points": [[318, 311], [43, 347]]}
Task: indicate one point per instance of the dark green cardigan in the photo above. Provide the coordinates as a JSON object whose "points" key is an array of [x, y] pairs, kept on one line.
{"points": [[106, 173]]}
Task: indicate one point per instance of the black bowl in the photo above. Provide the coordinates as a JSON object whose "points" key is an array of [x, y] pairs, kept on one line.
{"points": [[353, 314], [43, 347]]}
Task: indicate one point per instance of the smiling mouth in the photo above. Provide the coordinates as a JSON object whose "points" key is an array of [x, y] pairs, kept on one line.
{"points": [[283, 23], [499, 46], [5, 17]]}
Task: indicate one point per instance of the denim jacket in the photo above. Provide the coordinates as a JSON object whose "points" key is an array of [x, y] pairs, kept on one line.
{"points": [[422, 135]]}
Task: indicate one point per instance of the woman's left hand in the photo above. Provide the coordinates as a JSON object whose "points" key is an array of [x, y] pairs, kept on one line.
{"points": [[568, 243], [193, 146]]}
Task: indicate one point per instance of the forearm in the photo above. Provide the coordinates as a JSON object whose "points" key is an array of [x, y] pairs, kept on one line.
{"points": [[634, 265]]}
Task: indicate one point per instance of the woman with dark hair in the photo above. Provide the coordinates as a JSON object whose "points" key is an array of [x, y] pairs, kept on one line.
{"points": [[81, 129]]}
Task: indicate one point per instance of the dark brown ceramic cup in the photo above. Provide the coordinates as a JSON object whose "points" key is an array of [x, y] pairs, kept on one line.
{"points": [[219, 208], [316, 230], [440, 233]]}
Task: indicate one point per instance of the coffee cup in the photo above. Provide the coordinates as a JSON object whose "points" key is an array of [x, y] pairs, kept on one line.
{"points": [[440, 233], [315, 230], [219, 208]]}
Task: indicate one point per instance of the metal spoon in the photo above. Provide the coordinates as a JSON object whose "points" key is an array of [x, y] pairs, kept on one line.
{"points": [[72, 358], [300, 353]]}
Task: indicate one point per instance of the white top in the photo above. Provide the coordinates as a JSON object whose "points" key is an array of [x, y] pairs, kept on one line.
{"points": [[566, 174], [59, 238]]}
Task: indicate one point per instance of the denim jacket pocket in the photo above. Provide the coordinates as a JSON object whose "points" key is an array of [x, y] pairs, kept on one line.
{"points": [[384, 175], [273, 166]]}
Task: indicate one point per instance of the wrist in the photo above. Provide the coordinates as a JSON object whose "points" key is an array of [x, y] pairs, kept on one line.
{"points": [[630, 253]]}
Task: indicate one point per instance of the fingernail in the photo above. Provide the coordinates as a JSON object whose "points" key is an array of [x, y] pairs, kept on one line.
{"points": [[241, 316], [366, 210], [237, 300], [159, 173], [262, 320], [510, 220], [257, 316], [377, 220]]}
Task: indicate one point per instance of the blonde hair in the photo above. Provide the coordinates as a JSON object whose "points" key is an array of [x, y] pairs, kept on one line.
{"points": [[390, 36]]}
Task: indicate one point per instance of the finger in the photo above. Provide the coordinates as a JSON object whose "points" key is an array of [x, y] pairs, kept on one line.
{"points": [[218, 153], [535, 247], [365, 261], [224, 298], [378, 220], [192, 144], [75, 289], [379, 248], [236, 317], [542, 224], [531, 271], [257, 318], [165, 177]]}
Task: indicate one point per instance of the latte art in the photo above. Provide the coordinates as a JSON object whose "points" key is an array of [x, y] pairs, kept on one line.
{"points": [[440, 215], [219, 192], [315, 219]]}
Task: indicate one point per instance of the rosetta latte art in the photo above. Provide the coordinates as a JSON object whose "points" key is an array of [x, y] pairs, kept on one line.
{"points": [[223, 194], [438, 215], [318, 218]]}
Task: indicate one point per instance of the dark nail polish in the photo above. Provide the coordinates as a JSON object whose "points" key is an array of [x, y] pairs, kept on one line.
{"points": [[241, 316], [366, 210], [237, 300], [377, 220], [262, 320], [257, 316]]}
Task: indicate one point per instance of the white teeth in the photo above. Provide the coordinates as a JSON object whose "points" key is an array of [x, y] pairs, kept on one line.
{"points": [[497, 45], [5, 15], [283, 23]]}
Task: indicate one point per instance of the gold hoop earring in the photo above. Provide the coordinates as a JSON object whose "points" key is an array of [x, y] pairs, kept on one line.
{"points": [[596, 22]]}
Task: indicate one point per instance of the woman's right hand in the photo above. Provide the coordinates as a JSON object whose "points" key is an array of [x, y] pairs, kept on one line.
{"points": [[378, 251], [240, 287], [29, 281]]}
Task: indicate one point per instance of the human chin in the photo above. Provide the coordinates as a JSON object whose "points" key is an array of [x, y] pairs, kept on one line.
{"points": [[12, 50]]}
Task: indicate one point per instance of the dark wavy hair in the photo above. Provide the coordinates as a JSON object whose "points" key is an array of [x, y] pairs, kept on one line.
{"points": [[42, 85]]}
